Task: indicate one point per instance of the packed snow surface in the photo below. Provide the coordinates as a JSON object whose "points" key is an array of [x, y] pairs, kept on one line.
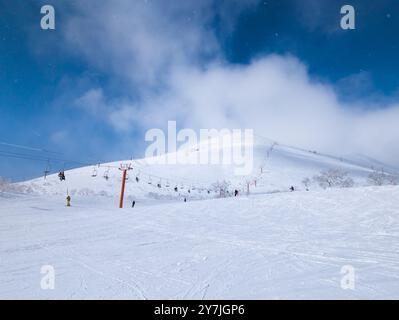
{"points": [[268, 244], [277, 246]]}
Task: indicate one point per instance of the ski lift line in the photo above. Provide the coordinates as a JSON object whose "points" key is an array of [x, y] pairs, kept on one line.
{"points": [[34, 157], [144, 173], [27, 148], [65, 161], [21, 157], [37, 159], [155, 177], [174, 179], [41, 158], [38, 150], [137, 163], [47, 159], [342, 159], [178, 180]]}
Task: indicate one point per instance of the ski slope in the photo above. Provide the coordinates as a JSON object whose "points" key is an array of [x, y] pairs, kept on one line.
{"points": [[271, 246], [275, 168]]}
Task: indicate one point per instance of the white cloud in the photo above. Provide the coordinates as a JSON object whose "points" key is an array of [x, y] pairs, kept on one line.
{"points": [[140, 40], [160, 48], [92, 101]]}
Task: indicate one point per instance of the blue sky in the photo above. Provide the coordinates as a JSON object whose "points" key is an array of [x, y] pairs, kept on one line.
{"points": [[111, 70]]}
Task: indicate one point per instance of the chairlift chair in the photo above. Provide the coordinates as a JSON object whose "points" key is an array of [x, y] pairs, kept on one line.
{"points": [[61, 175]]}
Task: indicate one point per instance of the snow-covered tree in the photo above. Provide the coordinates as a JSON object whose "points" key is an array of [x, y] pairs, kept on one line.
{"points": [[393, 179], [222, 187], [306, 182], [377, 178], [4, 184], [7, 186], [380, 178], [334, 178]]}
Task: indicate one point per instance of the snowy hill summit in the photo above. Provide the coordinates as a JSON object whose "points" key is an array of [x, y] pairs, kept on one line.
{"points": [[275, 168]]}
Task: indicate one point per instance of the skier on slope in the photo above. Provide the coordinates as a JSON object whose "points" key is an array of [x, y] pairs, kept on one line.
{"points": [[68, 200]]}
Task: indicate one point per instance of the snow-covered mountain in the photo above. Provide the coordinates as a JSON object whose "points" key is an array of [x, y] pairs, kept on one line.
{"points": [[275, 169]]}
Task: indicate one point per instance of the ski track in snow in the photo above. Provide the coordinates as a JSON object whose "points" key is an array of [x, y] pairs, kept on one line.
{"points": [[271, 246]]}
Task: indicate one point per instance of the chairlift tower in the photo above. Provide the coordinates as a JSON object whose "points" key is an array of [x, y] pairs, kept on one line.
{"points": [[124, 168], [47, 170]]}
